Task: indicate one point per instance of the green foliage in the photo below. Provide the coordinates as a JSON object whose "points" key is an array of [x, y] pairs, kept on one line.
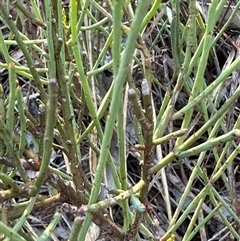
{"points": [[81, 62]]}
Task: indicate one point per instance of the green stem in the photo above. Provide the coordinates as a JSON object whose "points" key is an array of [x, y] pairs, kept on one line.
{"points": [[28, 13], [10, 233], [25, 214], [50, 228], [190, 207], [11, 24], [114, 106], [48, 136], [203, 222], [9, 181], [172, 135], [23, 122], [199, 133], [208, 145], [206, 93], [121, 127]]}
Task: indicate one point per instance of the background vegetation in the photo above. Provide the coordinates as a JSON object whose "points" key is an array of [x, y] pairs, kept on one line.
{"points": [[119, 120]]}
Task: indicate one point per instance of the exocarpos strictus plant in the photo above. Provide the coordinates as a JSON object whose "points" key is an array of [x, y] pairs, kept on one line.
{"points": [[119, 120]]}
